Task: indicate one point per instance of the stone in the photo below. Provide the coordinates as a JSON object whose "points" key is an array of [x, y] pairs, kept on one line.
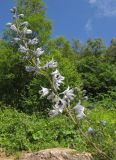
{"points": [[57, 154]]}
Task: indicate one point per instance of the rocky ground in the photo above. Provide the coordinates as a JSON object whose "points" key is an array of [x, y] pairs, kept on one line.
{"points": [[50, 154], [57, 154]]}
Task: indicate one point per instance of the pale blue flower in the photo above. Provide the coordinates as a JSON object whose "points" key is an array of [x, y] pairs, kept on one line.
{"points": [[16, 39], [14, 16], [79, 108], [23, 49], [80, 115], [27, 31], [38, 52], [54, 112], [8, 24], [13, 10], [24, 23], [57, 79], [33, 41], [51, 64], [30, 68], [51, 96], [13, 27], [21, 15], [58, 107], [90, 132], [44, 91], [68, 93]]}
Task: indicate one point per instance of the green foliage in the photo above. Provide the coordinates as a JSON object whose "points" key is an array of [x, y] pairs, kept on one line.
{"points": [[97, 75], [94, 47], [19, 131], [13, 77], [111, 52]]}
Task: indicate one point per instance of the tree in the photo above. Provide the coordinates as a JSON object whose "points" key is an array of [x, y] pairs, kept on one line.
{"points": [[13, 77], [98, 76], [111, 52], [94, 47]]}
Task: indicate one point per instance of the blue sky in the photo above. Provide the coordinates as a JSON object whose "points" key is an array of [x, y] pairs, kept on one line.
{"points": [[80, 19]]}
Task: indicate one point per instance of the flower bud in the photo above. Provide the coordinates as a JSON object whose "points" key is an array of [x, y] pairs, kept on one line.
{"points": [[21, 15], [24, 24], [44, 91], [27, 31], [13, 27], [16, 39], [14, 16], [8, 24], [13, 10], [90, 132]]}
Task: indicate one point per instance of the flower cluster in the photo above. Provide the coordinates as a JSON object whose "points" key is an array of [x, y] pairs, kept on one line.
{"points": [[28, 47]]}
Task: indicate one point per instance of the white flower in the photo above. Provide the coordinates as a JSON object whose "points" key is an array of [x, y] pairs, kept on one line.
{"points": [[38, 52], [23, 49], [27, 31], [25, 57], [51, 64], [90, 131], [81, 115], [13, 27], [60, 104], [30, 68], [33, 41], [21, 15], [8, 24], [57, 83], [13, 10], [24, 24], [58, 107], [79, 108], [85, 97], [51, 96], [16, 39], [56, 72], [14, 16], [68, 93], [57, 79], [44, 92], [56, 75], [54, 112]]}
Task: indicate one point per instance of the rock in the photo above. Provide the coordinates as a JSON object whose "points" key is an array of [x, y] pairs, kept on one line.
{"points": [[57, 154]]}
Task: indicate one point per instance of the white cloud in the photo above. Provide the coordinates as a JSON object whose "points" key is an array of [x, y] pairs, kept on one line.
{"points": [[92, 1], [104, 7], [88, 27]]}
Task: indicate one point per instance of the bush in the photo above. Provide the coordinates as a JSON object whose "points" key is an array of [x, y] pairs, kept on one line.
{"points": [[19, 131]]}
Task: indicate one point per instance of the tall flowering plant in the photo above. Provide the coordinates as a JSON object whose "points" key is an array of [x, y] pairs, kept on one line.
{"points": [[31, 52]]}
